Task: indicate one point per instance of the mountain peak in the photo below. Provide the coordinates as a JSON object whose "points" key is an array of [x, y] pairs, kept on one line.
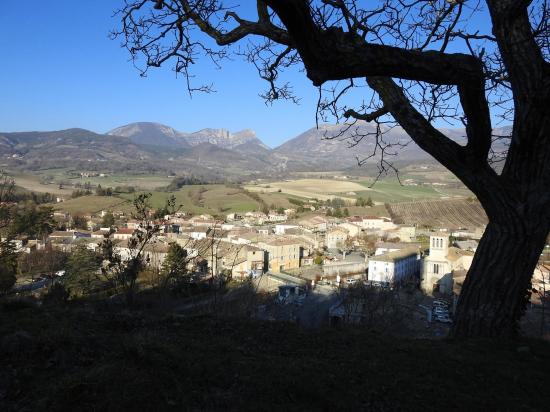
{"points": [[150, 134]]}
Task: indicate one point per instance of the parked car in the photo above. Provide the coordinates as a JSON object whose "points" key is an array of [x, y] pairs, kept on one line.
{"points": [[443, 318], [351, 281], [442, 303], [440, 311]]}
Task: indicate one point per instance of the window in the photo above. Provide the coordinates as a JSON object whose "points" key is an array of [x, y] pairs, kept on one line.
{"points": [[436, 268]]}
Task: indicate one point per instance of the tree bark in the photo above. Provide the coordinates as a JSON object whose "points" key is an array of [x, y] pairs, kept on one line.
{"points": [[495, 292]]}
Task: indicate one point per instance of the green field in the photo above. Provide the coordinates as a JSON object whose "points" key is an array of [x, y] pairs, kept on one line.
{"points": [[215, 199], [94, 204], [50, 180], [390, 190], [384, 190]]}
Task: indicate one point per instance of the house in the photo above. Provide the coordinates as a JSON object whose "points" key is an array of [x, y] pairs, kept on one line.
{"points": [[353, 229], [153, 253], [406, 233], [395, 267], [233, 216], [467, 245], [245, 261], [196, 232], [133, 224], [256, 217], [386, 247], [123, 233], [263, 230], [283, 254], [68, 235], [280, 229], [437, 272], [101, 233], [352, 264], [276, 217], [377, 223], [336, 238], [315, 223]]}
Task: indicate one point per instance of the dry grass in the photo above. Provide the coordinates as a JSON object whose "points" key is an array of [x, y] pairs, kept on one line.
{"points": [[312, 188], [58, 360]]}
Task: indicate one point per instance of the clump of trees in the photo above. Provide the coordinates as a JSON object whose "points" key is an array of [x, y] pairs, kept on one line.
{"points": [[100, 191], [80, 192], [169, 208], [362, 202], [181, 181], [108, 219]]}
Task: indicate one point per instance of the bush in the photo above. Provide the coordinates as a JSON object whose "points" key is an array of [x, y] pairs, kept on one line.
{"points": [[57, 295]]}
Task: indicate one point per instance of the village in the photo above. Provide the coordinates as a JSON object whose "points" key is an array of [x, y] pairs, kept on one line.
{"points": [[297, 259]]}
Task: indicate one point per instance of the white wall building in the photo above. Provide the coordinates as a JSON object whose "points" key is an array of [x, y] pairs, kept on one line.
{"points": [[441, 262], [377, 223], [395, 267], [281, 229], [336, 238], [353, 229]]}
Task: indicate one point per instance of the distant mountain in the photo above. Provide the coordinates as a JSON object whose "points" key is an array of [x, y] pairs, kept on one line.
{"points": [[223, 138], [144, 146], [340, 146], [71, 148], [156, 134], [150, 134]]}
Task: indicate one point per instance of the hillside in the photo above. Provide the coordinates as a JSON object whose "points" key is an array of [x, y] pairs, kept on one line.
{"points": [[210, 153], [77, 148], [57, 360], [150, 134], [338, 146], [453, 214]]}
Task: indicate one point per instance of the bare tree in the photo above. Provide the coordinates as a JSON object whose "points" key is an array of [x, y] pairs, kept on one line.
{"points": [[395, 62], [119, 271]]}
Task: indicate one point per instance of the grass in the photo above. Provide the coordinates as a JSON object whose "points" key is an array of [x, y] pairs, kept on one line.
{"points": [[310, 188], [217, 199], [31, 181], [385, 190], [389, 190], [94, 204], [70, 359]]}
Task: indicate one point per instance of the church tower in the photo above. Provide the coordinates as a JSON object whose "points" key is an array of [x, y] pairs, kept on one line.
{"points": [[439, 246]]}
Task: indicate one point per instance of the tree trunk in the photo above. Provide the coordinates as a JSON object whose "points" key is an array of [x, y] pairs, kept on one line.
{"points": [[496, 289]]}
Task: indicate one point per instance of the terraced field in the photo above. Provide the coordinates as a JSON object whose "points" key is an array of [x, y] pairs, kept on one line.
{"points": [[452, 214]]}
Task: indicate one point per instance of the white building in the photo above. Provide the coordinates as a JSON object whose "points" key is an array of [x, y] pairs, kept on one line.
{"points": [[336, 238], [377, 223], [395, 267], [353, 229], [437, 272], [275, 217], [281, 229]]}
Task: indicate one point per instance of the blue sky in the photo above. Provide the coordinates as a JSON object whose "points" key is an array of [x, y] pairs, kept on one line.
{"points": [[60, 70]]}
